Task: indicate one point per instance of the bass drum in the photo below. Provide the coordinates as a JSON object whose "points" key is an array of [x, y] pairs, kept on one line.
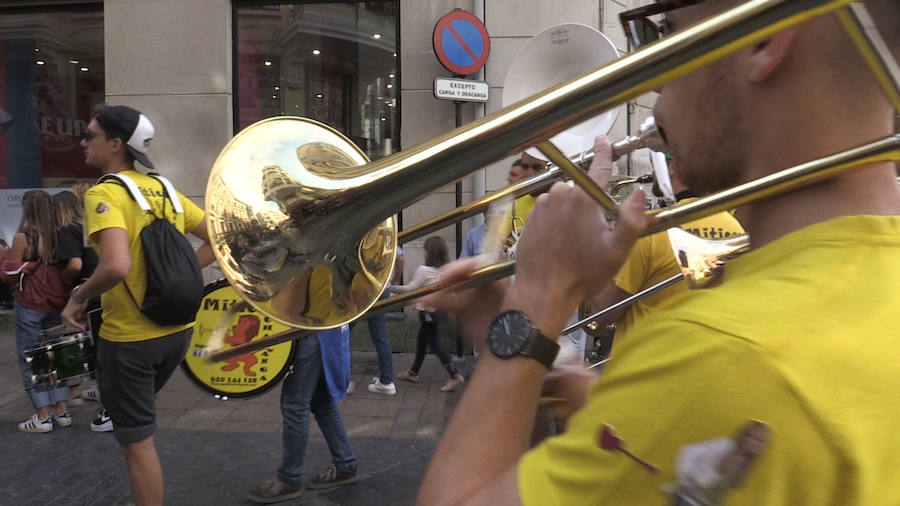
{"points": [[246, 375]]}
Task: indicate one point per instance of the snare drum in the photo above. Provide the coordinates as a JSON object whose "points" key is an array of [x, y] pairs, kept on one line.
{"points": [[246, 375], [64, 358]]}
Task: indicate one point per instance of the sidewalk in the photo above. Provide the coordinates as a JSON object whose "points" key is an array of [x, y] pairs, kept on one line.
{"points": [[214, 451]]}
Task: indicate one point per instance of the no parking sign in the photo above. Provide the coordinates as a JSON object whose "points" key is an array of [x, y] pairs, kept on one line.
{"points": [[461, 42]]}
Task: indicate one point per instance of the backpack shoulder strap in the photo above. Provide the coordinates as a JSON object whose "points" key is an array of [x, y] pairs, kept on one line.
{"points": [[170, 192], [132, 189]]}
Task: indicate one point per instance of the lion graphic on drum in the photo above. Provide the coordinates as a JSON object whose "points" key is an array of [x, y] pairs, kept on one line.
{"points": [[244, 331]]}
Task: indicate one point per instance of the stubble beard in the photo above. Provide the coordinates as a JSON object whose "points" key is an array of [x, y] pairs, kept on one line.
{"points": [[712, 159]]}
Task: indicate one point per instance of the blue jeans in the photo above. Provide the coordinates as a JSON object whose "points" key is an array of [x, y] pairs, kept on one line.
{"points": [[29, 323], [304, 390], [378, 333]]}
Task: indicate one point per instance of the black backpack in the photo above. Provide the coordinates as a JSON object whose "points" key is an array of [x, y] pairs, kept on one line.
{"points": [[174, 282]]}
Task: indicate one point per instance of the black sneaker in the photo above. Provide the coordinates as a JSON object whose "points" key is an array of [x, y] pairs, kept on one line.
{"points": [[274, 490], [103, 423], [333, 477]]}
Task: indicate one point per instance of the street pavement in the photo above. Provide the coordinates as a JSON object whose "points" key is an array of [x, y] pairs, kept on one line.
{"points": [[214, 452]]}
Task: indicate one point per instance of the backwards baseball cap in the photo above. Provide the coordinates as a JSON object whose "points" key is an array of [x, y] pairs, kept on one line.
{"points": [[135, 130]]}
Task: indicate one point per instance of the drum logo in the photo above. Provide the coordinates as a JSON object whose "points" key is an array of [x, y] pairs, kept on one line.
{"points": [[247, 374], [243, 332]]}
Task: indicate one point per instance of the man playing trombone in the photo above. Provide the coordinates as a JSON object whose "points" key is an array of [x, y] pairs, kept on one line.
{"points": [[777, 386]]}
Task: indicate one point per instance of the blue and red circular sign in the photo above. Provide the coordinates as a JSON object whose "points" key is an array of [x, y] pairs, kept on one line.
{"points": [[461, 42]]}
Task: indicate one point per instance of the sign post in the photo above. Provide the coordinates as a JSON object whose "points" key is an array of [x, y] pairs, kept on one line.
{"points": [[462, 45]]}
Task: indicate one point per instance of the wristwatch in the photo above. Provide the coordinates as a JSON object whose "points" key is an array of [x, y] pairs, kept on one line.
{"points": [[512, 334]]}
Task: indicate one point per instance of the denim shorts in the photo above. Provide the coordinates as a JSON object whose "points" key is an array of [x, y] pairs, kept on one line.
{"points": [[129, 376]]}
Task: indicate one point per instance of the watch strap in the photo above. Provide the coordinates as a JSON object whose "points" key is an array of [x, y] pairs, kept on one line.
{"points": [[541, 348]]}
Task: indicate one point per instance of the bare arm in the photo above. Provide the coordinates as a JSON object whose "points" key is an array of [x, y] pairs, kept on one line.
{"points": [[477, 458], [115, 264], [204, 252], [420, 279], [71, 270], [20, 244], [398, 270]]}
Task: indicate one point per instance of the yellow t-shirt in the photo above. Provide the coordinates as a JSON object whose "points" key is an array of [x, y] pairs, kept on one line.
{"points": [[801, 335], [517, 215], [651, 261], [109, 205], [522, 207]]}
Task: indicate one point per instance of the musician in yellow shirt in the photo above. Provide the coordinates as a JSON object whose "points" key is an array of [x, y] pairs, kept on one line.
{"points": [[777, 386], [652, 261], [135, 356]]}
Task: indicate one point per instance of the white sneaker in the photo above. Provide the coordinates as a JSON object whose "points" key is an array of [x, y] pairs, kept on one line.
{"points": [[35, 425], [63, 420], [351, 387], [91, 394], [380, 388], [453, 383]]}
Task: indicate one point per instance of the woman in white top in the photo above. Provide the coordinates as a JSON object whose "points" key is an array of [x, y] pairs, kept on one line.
{"points": [[435, 257]]}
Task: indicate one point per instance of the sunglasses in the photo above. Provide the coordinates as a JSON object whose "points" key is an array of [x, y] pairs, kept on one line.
{"points": [[88, 135], [536, 167], [638, 26]]}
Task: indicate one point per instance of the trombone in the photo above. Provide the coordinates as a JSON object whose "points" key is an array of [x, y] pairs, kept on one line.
{"points": [[324, 231]]}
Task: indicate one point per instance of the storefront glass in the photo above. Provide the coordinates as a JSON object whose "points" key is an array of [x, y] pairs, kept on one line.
{"points": [[334, 62], [51, 77]]}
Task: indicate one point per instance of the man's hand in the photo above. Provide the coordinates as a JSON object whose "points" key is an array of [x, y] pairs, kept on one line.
{"points": [[566, 389], [569, 250], [475, 308], [73, 315]]}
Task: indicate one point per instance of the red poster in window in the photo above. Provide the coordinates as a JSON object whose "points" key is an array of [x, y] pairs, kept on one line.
{"points": [[61, 127]]}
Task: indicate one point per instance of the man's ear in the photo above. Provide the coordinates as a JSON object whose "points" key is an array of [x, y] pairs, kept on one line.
{"points": [[767, 55], [118, 145]]}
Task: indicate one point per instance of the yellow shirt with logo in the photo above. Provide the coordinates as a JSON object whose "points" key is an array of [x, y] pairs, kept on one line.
{"points": [[109, 205], [651, 261], [522, 207], [801, 335]]}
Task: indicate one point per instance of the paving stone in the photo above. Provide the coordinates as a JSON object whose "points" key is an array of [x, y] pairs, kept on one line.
{"points": [[214, 452]]}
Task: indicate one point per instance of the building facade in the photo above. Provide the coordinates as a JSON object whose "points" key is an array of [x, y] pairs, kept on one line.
{"points": [[204, 69]]}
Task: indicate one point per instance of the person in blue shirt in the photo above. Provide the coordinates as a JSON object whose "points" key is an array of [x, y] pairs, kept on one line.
{"points": [[475, 239]]}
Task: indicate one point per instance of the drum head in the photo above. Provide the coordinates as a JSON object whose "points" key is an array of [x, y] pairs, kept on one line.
{"points": [[552, 57], [246, 375]]}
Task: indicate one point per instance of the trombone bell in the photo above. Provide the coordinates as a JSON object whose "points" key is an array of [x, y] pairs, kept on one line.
{"points": [[279, 230]]}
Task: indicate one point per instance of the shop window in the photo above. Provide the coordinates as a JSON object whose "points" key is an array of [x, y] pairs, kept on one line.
{"points": [[51, 77], [334, 62]]}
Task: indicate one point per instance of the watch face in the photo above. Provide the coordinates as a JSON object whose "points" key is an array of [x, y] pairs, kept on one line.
{"points": [[509, 334]]}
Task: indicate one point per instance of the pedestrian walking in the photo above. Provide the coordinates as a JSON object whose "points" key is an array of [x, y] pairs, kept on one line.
{"points": [[428, 336]]}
